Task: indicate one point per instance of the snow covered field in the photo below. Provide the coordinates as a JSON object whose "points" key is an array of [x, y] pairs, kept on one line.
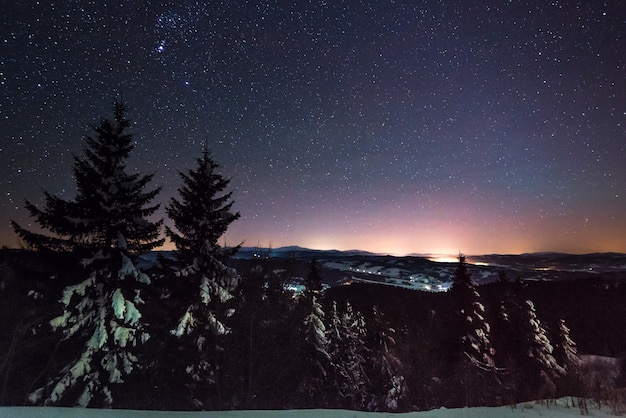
{"points": [[562, 408]]}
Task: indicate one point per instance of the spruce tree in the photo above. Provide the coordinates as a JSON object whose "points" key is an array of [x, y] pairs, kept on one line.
{"points": [[474, 331], [540, 366], [314, 352], [472, 334], [565, 350], [205, 285], [271, 330], [385, 369], [203, 214], [566, 356], [347, 336], [314, 344], [524, 348], [110, 208], [106, 223]]}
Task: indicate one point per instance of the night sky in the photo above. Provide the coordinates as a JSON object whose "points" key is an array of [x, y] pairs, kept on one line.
{"points": [[389, 126]]}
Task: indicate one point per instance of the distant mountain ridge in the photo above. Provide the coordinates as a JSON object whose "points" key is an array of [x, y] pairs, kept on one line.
{"points": [[296, 248], [296, 251]]}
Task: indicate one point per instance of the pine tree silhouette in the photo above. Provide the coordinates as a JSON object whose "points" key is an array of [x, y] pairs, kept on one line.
{"points": [[106, 223], [203, 214], [206, 285], [110, 208]]}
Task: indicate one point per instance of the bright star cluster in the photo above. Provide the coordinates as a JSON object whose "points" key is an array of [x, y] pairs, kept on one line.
{"points": [[397, 126]]}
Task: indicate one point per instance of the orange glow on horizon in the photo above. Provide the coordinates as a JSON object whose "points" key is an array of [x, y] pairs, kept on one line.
{"points": [[444, 259], [399, 238]]}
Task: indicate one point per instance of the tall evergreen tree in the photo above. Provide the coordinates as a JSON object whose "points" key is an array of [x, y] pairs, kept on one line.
{"points": [[314, 353], [110, 208], [204, 212], [207, 284], [106, 222], [524, 348], [566, 355], [314, 346], [472, 337], [540, 365], [385, 369], [565, 350], [474, 330], [347, 336]]}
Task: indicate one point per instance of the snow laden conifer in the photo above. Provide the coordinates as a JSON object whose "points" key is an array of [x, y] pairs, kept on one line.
{"points": [[475, 332], [566, 355], [347, 336], [385, 369], [540, 365], [524, 348], [472, 332], [565, 350], [205, 284], [314, 345], [106, 223]]}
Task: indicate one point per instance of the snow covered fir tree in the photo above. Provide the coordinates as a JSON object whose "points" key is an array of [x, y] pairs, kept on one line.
{"points": [[347, 333], [204, 284], [566, 354], [537, 362], [313, 347], [103, 225], [385, 369], [535, 366], [471, 338]]}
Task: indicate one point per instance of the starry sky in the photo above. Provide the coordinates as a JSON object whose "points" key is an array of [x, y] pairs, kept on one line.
{"points": [[390, 126]]}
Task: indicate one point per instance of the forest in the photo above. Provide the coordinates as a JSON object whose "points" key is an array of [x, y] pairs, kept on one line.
{"points": [[83, 325]]}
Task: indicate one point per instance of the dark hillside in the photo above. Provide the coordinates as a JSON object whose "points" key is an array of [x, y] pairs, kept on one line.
{"points": [[265, 331]]}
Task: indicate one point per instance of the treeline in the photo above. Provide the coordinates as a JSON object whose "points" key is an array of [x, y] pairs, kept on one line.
{"points": [[265, 358], [84, 325]]}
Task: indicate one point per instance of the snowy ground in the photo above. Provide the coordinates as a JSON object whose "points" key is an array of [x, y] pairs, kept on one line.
{"points": [[562, 408]]}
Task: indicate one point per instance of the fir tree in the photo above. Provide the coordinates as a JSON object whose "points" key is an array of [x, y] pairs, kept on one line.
{"points": [[314, 347], [314, 351], [566, 355], [474, 330], [472, 334], [565, 350], [348, 352], [203, 214], [107, 219], [385, 369], [540, 366], [524, 348], [109, 210], [206, 284]]}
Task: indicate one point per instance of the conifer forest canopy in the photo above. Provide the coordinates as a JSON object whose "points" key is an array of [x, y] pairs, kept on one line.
{"points": [[395, 127]]}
